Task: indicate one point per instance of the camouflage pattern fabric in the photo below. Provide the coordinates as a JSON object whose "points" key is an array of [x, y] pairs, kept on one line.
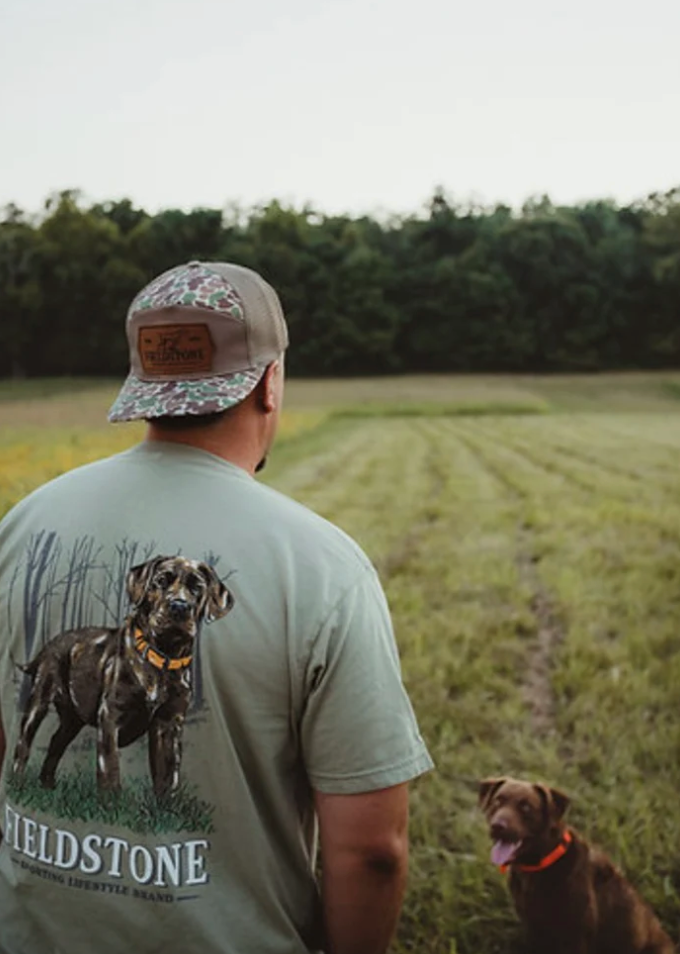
{"points": [[140, 400], [192, 285]]}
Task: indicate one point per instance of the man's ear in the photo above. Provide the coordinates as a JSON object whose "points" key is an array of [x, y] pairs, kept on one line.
{"points": [[487, 789], [269, 385], [218, 599], [138, 579]]}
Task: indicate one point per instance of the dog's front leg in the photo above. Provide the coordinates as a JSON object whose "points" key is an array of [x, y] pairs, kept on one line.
{"points": [[165, 753], [108, 761]]}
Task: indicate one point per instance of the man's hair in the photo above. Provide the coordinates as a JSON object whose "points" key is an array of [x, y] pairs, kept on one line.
{"points": [[187, 421]]}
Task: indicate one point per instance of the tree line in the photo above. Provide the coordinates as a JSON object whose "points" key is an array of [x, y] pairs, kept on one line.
{"points": [[452, 288]]}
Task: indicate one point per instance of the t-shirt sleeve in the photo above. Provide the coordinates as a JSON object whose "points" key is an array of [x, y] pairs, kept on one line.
{"points": [[358, 729]]}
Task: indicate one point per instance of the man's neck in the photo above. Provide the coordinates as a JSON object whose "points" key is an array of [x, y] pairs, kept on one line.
{"points": [[242, 453]]}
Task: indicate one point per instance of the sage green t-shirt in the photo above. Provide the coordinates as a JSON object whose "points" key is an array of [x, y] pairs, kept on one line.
{"points": [[288, 682]]}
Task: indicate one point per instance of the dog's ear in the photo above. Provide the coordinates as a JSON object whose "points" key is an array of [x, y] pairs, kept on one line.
{"points": [[138, 579], [218, 599], [487, 789], [556, 802], [560, 803]]}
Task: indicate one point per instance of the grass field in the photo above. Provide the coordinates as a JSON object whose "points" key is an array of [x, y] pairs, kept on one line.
{"points": [[527, 532]]}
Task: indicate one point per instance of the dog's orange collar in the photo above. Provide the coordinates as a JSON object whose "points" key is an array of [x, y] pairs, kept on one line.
{"points": [[157, 658], [549, 859]]}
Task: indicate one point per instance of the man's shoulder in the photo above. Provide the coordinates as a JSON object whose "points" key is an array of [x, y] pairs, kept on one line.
{"points": [[70, 482], [308, 530]]}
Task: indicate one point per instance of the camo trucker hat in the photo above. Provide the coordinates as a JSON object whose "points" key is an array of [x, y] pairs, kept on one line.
{"points": [[200, 337]]}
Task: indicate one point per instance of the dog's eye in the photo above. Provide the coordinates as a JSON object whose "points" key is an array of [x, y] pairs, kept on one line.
{"points": [[163, 580], [525, 808], [194, 583]]}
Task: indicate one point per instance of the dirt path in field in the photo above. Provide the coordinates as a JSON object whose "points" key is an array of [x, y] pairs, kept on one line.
{"points": [[537, 687]]}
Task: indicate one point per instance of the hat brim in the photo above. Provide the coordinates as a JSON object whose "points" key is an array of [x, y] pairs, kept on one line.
{"points": [[142, 400]]}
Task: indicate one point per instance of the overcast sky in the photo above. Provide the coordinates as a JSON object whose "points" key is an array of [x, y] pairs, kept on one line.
{"points": [[350, 105]]}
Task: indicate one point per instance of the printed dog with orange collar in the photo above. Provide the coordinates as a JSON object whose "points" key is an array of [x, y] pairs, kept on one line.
{"points": [[570, 898], [126, 681]]}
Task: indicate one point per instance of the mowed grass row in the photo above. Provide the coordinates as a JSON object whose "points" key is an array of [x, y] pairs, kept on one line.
{"points": [[531, 563]]}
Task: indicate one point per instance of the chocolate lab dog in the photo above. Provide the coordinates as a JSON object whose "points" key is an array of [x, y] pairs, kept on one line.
{"points": [[570, 897], [128, 680]]}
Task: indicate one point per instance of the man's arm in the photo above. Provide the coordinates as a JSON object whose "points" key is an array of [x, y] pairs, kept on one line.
{"points": [[364, 860]]}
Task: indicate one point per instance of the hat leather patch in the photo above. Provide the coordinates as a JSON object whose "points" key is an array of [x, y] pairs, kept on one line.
{"points": [[175, 349]]}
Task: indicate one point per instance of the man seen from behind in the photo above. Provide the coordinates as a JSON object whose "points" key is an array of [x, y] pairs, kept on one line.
{"points": [[198, 676]]}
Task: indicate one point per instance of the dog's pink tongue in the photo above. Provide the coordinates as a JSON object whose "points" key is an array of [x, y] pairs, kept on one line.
{"points": [[503, 851]]}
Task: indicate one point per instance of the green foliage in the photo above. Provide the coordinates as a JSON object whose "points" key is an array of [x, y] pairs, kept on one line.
{"points": [[587, 288]]}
